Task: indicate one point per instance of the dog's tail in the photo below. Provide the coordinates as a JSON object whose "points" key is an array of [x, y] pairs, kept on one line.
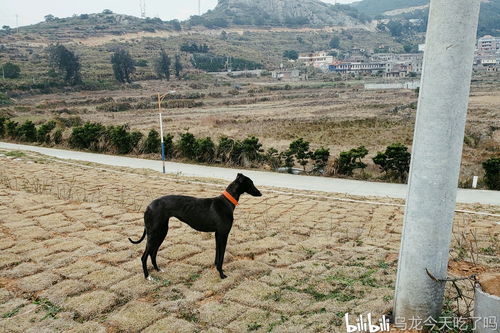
{"points": [[140, 240]]}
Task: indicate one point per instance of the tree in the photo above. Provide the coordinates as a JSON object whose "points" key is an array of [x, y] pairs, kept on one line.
{"points": [[63, 60], [162, 65], [300, 149], [49, 18], [335, 42], [492, 176], [176, 25], [351, 160], [320, 159], [123, 65], [178, 66], [43, 132], [10, 70], [291, 54], [395, 161]]}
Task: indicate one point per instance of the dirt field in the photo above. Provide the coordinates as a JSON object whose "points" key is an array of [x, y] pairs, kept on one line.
{"points": [[294, 263]]}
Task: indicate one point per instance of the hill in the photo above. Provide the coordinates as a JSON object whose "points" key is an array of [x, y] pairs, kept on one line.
{"points": [[489, 18], [92, 25], [289, 13]]}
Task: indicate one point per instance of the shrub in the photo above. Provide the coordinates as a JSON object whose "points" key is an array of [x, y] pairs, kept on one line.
{"points": [[11, 71], [58, 136], [87, 136], [492, 176], [320, 159], [3, 120], [395, 161], [43, 132], [300, 150], [251, 150], [27, 131], [12, 129], [351, 160], [114, 107], [205, 150], [226, 149], [152, 144], [272, 158], [188, 146], [122, 140], [4, 99]]}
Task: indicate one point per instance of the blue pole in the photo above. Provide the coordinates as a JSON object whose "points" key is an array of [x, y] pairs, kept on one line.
{"points": [[163, 154]]}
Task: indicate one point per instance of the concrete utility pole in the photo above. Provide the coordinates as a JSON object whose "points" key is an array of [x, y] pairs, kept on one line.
{"points": [[436, 155]]}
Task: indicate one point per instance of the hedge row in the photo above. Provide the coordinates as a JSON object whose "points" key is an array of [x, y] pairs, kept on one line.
{"points": [[394, 162]]}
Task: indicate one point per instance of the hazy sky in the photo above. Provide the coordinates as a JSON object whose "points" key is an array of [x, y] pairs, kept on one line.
{"points": [[33, 11]]}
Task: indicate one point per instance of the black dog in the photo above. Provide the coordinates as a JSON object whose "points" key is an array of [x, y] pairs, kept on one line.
{"points": [[207, 215]]}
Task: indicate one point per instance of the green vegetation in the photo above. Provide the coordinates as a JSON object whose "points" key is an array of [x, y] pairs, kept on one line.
{"points": [[66, 63], [213, 63], [351, 160], [291, 54], [492, 176], [178, 66], [10, 70], [395, 161], [123, 65], [162, 66]]}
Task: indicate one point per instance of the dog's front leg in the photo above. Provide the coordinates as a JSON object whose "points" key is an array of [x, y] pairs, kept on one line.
{"points": [[221, 242]]}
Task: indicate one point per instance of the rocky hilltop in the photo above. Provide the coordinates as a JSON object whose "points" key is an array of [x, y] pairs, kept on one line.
{"points": [[282, 13]]}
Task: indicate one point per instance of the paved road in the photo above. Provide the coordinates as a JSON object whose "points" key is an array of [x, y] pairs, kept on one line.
{"points": [[273, 179]]}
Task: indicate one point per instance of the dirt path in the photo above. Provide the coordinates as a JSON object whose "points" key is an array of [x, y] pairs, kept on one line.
{"points": [[295, 264]]}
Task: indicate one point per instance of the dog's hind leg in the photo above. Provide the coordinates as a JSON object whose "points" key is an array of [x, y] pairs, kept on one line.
{"points": [[158, 240]]}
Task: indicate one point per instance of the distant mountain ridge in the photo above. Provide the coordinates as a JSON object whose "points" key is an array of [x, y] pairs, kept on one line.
{"points": [[279, 13], [489, 18]]}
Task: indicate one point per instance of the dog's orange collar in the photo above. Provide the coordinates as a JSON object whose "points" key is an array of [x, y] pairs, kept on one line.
{"points": [[230, 198]]}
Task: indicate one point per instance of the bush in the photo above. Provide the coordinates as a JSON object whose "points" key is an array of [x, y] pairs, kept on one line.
{"points": [[351, 160], [152, 144], [188, 146], [11, 71], [205, 150], [320, 159], [492, 176], [251, 150], [114, 107], [300, 150], [3, 120], [58, 136], [43, 132], [27, 132], [4, 99], [122, 140], [395, 161], [12, 129], [272, 158], [87, 136], [227, 149]]}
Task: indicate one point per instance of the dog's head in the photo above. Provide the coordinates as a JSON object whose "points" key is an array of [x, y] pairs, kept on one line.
{"points": [[245, 184]]}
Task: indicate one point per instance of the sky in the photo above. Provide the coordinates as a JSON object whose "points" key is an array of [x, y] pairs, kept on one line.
{"points": [[33, 11]]}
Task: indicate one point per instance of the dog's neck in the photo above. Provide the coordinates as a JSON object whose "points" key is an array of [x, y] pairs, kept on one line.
{"points": [[234, 190]]}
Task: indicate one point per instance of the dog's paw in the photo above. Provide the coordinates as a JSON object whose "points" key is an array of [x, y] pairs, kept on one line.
{"points": [[223, 276], [161, 270], [150, 278]]}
